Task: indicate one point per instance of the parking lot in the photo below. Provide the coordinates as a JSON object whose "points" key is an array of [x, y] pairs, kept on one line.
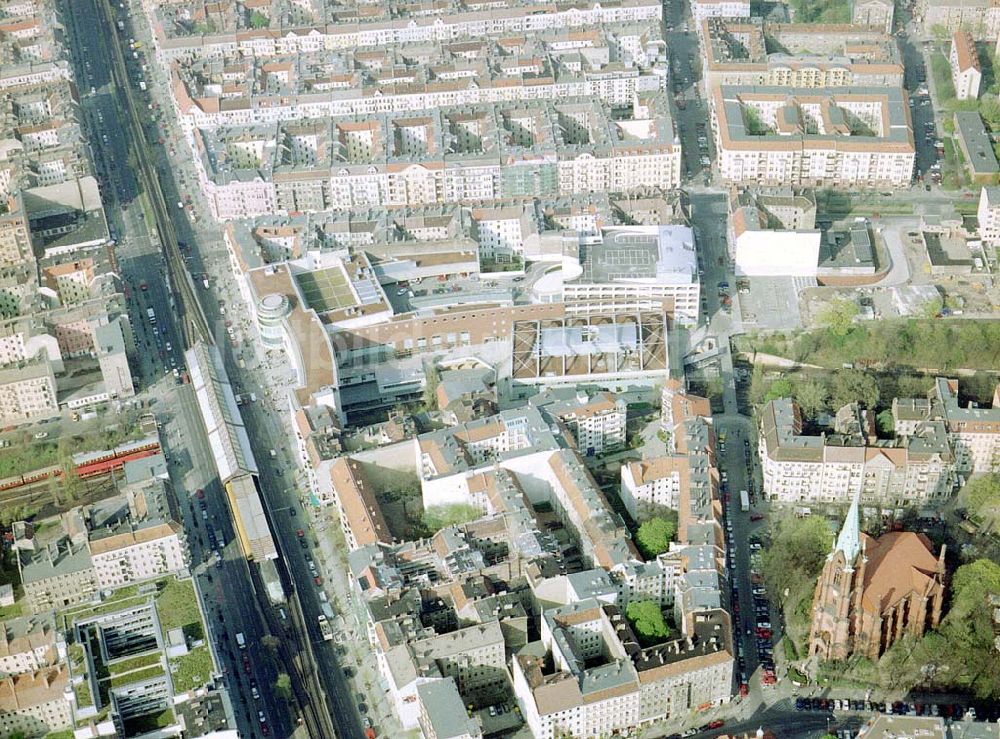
{"points": [[772, 303], [896, 708]]}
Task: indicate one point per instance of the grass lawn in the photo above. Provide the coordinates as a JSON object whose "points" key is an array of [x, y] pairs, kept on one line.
{"points": [[83, 695], [9, 612], [953, 174], [797, 677], [136, 676], [133, 663], [177, 607], [123, 598], [152, 722], [77, 658], [16, 460], [192, 670], [64, 734]]}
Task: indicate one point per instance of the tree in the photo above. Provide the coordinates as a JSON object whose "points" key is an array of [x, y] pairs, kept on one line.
{"points": [[796, 554], [654, 536], [932, 308], [812, 396], [853, 385], [270, 642], [283, 686], [838, 316], [982, 494], [989, 109], [886, 423], [780, 388], [757, 385], [646, 618], [432, 378], [259, 20], [70, 480]]}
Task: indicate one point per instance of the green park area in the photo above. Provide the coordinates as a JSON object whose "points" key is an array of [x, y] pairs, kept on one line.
{"points": [[938, 345]]}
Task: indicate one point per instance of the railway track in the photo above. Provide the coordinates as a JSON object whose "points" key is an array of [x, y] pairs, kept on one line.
{"points": [[194, 325]]}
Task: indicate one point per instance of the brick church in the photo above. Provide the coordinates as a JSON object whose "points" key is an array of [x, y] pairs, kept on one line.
{"points": [[873, 591]]}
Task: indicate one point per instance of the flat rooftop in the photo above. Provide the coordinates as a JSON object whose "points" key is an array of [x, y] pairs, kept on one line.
{"points": [[664, 254], [326, 290]]}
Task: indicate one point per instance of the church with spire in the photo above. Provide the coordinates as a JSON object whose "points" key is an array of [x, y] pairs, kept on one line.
{"points": [[873, 591]]}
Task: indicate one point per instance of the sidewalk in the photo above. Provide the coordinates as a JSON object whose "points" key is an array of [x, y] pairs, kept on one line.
{"points": [[366, 680]]}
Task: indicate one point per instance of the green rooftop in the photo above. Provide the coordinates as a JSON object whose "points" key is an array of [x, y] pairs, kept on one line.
{"points": [[326, 290]]}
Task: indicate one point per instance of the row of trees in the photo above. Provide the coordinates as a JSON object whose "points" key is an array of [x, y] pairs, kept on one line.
{"points": [[790, 566], [817, 394], [932, 345], [821, 11], [982, 496]]}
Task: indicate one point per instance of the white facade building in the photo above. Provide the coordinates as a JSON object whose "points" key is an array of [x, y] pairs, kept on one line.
{"points": [[138, 555], [803, 137], [631, 267], [965, 69], [989, 215], [702, 9]]}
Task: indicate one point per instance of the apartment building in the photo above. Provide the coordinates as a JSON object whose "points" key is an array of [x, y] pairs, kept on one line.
{"points": [[702, 9], [34, 704], [601, 682], [918, 469], [988, 215], [30, 644], [153, 670], [28, 393], [753, 51], [15, 242], [118, 541], [966, 73], [677, 405], [387, 26], [59, 574], [981, 18], [516, 436], [147, 552], [609, 62], [597, 423], [501, 232], [855, 137], [443, 714], [551, 148], [653, 485], [877, 13], [354, 497], [112, 341], [974, 432]]}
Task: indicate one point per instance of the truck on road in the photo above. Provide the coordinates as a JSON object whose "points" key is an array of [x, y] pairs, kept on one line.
{"points": [[325, 629], [744, 500], [241, 640]]}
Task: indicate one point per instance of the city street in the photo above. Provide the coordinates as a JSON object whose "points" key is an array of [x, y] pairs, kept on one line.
{"points": [[233, 609], [249, 373]]}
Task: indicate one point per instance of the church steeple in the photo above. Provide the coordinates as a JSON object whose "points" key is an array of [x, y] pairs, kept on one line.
{"points": [[849, 540]]}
